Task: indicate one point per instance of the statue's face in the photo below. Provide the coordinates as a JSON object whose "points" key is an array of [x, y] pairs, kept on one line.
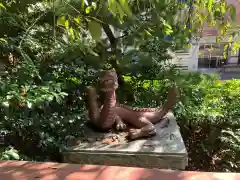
{"points": [[109, 80]]}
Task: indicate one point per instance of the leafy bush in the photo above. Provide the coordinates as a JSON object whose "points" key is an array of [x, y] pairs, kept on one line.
{"points": [[9, 154], [208, 115], [211, 115]]}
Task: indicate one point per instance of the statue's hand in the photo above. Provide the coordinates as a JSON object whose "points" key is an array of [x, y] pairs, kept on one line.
{"points": [[90, 89]]}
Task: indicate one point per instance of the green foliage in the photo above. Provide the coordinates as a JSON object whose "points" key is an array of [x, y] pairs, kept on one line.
{"points": [[9, 154], [2, 6], [95, 29], [208, 114]]}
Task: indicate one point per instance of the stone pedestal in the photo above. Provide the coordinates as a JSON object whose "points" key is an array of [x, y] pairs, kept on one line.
{"points": [[166, 150]]}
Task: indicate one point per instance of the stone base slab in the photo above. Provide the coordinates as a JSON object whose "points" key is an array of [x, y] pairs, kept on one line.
{"points": [[166, 150]]}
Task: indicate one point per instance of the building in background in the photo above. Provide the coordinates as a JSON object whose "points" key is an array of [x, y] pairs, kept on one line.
{"points": [[206, 54]]}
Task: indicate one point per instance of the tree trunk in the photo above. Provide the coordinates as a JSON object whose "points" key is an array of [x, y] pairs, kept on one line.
{"points": [[113, 62]]}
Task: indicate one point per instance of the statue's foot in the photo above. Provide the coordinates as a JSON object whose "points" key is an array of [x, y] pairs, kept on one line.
{"points": [[121, 126], [134, 134], [140, 133]]}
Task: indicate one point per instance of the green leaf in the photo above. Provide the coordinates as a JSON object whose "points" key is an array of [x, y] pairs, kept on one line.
{"points": [[58, 99], [3, 41], [67, 24], [72, 33], [5, 104], [78, 20], [88, 9], [167, 28], [210, 5], [168, 31], [121, 12], [61, 20], [146, 84], [2, 6], [147, 32], [5, 157], [127, 78], [233, 13], [225, 51], [95, 30], [230, 39], [223, 8], [82, 4], [13, 154], [202, 17], [50, 98], [126, 8], [112, 6]]}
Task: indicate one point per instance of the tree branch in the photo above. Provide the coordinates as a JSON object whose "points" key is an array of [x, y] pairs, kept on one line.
{"points": [[110, 35], [113, 40]]}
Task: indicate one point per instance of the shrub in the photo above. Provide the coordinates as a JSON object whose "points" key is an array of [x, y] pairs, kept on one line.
{"points": [[208, 114]]}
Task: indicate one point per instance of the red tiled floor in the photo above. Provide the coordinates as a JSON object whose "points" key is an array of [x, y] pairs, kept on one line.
{"points": [[21, 170]]}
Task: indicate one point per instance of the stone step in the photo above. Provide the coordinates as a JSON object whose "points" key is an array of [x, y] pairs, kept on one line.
{"points": [[166, 150]]}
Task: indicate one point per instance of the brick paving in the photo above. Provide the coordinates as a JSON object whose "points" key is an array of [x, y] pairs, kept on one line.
{"points": [[22, 170]]}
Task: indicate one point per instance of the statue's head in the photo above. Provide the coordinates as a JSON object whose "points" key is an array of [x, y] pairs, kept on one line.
{"points": [[109, 80]]}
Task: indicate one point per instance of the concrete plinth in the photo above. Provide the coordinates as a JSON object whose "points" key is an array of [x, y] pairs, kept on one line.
{"points": [[165, 150]]}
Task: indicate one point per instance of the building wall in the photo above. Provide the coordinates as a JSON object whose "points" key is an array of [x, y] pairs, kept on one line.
{"points": [[193, 64], [187, 60]]}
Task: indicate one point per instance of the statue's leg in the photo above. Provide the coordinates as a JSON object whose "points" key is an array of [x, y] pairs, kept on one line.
{"points": [[93, 109], [147, 130], [103, 117]]}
